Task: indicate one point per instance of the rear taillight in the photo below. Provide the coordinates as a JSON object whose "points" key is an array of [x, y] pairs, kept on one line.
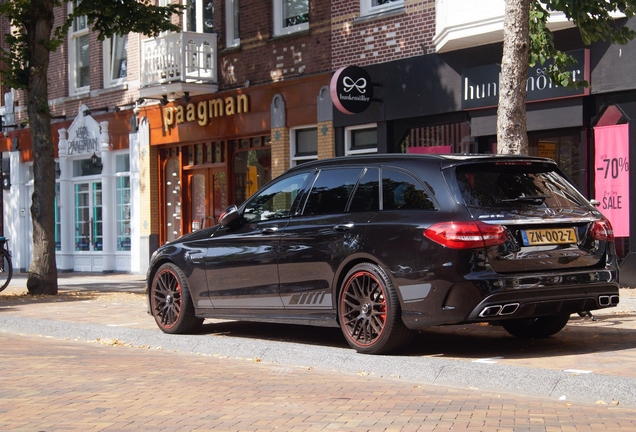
{"points": [[466, 235], [602, 230]]}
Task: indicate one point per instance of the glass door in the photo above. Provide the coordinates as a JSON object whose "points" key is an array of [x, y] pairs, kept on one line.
{"points": [[208, 196], [88, 217]]}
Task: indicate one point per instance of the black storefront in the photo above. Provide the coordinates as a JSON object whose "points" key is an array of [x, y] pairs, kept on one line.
{"points": [[443, 103]]}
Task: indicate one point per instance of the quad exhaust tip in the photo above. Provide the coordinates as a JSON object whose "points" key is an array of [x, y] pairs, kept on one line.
{"points": [[608, 300], [499, 310]]}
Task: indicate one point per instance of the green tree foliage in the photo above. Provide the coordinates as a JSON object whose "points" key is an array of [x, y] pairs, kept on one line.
{"points": [[26, 63], [525, 46], [106, 17], [594, 20]]}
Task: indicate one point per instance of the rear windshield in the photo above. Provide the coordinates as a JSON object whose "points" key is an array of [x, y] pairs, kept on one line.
{"points": [[516, 185]]}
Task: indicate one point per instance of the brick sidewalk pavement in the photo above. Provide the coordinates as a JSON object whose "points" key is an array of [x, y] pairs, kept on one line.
{"points": [[52, 385]]}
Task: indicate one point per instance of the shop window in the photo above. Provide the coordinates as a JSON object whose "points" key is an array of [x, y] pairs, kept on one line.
{"points": [[439, 139], [361, 140], [86, 167], [232, 23], [198, 194], [219, 152], [123, 213], [290, 16], [199, 154], [252, 169], [173, 199], [122, 168], [565, 148], [368, 7], [220, 191], [304, 145]]}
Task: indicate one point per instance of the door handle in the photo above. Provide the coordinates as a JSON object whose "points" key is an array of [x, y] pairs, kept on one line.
{"points": [[269, 230], [343, 227]]}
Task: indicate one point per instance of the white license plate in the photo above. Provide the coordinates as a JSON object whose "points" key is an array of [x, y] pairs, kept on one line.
{"points": [[548, 236]]}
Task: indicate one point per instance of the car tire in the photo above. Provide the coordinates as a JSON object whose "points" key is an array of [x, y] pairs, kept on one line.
{"points": [[539, 327], [369, 311], [170, 301]]}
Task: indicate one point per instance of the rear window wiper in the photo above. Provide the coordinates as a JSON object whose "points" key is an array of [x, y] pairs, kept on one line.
{"points": [[532, 199]]}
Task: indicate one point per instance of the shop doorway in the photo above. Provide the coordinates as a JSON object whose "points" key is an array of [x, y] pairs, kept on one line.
{"points": [[89, 234], [208, 192]]}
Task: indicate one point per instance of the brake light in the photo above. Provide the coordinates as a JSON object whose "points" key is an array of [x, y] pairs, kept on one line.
{"points": [[466, 235], [602, 230]]}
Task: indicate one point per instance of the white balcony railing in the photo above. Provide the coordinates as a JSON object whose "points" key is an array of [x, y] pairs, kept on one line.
{"points": [[179, 57]]}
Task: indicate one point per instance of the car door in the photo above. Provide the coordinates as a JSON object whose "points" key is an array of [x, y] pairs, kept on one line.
{"points": [[316, 240], [241, 261]]}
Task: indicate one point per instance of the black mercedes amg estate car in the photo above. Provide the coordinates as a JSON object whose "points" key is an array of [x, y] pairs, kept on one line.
{"points": [[384, 245]]}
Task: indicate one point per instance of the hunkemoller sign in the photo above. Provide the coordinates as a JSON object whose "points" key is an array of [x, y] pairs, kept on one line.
{"points": [[351, 90], [480, 85]]}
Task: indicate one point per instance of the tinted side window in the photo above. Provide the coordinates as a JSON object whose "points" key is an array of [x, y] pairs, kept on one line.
{"points": [[367, 195], [400, 191], [276, 201], [331, 191]]}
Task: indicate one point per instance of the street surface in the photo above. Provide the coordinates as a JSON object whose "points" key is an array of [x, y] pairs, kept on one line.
{"points": [[92, 359]]}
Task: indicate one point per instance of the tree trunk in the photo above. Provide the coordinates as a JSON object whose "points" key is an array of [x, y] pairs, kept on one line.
{"points": [[512, 137], [43, 272]]}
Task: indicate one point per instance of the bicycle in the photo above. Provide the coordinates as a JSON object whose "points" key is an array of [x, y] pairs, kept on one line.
{"points": [[6, 266]]}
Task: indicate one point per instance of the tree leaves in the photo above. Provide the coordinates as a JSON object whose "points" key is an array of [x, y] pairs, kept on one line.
{"points": [[595, 22], [106, 17]]}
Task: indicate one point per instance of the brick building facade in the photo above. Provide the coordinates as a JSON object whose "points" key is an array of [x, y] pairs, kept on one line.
{"points": [[399, 30], [114, 103]]}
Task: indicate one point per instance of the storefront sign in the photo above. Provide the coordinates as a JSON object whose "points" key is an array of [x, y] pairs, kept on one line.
{"points": [[204, 111], [480, 85], [351, 90], [611, 183], [83, 135]]}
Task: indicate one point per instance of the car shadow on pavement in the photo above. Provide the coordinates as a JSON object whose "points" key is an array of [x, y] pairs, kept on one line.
{"points": [[470, 341], [475, 341], [293, 333]]}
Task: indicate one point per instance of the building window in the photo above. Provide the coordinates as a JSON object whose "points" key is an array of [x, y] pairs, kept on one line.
{"points": [[290, 16], [122, 169], [361, 139], [115, 60], [79, 55], [199, 16], [232, 23], [368, 7], [304, 145]]}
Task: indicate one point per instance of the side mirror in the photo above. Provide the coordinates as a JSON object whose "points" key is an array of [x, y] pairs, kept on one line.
{"points": [[595, 203], [229, 216]]}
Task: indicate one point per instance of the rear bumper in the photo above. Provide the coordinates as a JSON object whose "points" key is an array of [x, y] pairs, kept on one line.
{"points": [[546, 301], [485, 299]]}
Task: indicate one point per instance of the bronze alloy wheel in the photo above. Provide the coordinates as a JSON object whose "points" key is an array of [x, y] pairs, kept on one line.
{"points": [[171, 303], [363, 308], [369, 311]]}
